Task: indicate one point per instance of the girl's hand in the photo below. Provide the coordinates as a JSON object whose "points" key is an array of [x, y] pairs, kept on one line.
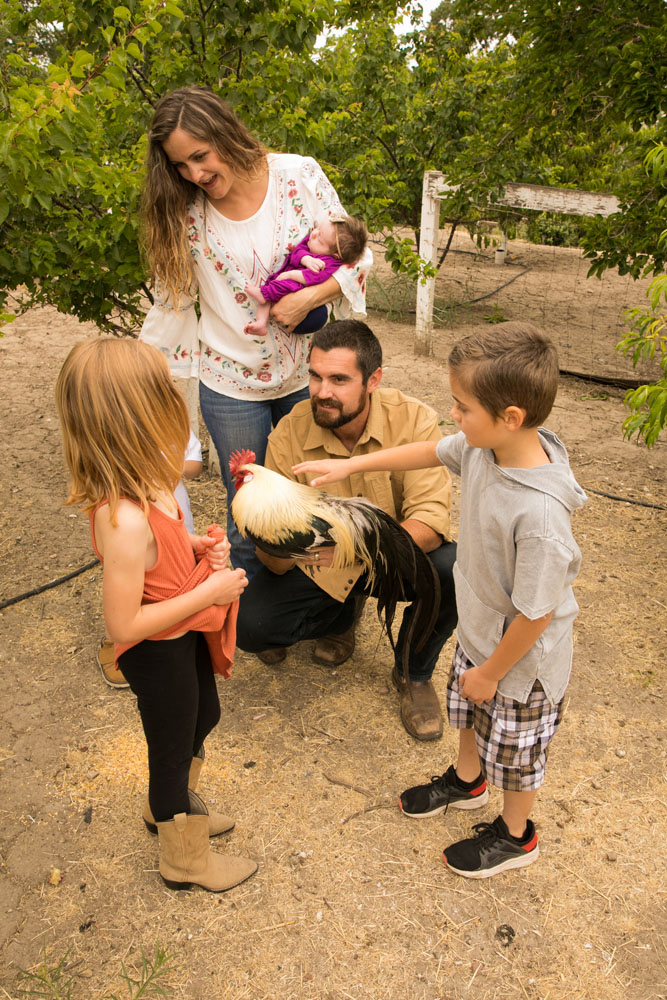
{"points": [[218, 555], [226, 585], [331, 470], [214, 545]]}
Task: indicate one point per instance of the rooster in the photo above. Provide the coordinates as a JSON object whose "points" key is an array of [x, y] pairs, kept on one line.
{"points": [[287, 520]]}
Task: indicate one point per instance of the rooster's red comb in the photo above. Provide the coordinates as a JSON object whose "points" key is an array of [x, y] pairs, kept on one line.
{"points": [[240, 458]]}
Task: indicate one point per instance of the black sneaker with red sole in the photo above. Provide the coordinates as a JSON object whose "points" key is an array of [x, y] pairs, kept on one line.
{"points": [[492, 850], [442, 793]]}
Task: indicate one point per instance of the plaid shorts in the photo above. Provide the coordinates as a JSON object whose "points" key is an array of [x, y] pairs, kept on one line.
{"points": [[512, 737]]}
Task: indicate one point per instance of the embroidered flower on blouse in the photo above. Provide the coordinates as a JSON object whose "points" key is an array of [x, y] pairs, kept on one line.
{"points": [[241, 297], [218, 265], [292, 193], [264, 376]]}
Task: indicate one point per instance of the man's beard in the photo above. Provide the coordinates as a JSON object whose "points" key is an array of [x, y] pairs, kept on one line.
{"points": [[333, 415]]}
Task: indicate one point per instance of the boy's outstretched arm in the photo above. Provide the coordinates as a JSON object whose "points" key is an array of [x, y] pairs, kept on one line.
{"points": [[419, 455], [480, 683]]}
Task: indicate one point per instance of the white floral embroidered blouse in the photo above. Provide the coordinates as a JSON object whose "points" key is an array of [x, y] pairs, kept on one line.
{"points": [[229, 254]]}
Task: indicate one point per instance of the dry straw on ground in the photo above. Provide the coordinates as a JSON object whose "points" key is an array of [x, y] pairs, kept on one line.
{"points": [[351, 899]]}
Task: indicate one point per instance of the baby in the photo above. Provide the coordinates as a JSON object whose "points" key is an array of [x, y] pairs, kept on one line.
{"points": [[319, 255]]}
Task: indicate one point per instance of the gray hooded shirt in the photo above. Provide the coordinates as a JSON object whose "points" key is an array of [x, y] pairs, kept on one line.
{"points": [[516, 554]]}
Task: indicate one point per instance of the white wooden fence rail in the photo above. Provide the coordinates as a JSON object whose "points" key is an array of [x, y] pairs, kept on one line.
{"points": [[528, 196]]}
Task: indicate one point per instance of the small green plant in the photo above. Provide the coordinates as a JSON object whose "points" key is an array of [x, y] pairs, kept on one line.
{"points": [[646, 339], [404, 259], [393, 294], [52, 983], [495, 316], [554, 230], [596, 394], [57, 982]]}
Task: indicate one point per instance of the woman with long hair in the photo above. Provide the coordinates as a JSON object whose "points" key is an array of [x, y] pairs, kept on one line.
{"points": [[221, 212]]}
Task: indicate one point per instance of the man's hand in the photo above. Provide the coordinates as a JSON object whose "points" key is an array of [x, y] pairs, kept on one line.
{"points": [[477, 687], [312, 263], [323, 556]]}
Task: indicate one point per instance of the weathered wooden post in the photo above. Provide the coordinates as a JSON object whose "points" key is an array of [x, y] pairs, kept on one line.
{"points": [[428, 250]]}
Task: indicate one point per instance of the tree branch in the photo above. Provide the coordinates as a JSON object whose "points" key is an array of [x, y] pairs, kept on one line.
{"points": [[139, 85], [455, 223], [390, 153]]}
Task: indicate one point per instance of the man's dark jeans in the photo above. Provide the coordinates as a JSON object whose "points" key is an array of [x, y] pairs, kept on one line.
{"points": [[278, 611]]}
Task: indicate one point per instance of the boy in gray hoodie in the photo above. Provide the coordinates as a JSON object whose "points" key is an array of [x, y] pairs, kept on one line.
{"points": [[516, 561]]}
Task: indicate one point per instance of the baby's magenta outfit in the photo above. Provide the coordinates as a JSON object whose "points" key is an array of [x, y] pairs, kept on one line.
{"points": [[275, 286]]}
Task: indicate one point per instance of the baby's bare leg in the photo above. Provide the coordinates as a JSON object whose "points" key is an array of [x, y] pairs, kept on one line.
{"points": [[255, 292], [258, 327]]}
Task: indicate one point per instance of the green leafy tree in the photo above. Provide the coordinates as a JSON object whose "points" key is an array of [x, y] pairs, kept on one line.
{"points": [[76, 98], [586, 94], [583, 105], [647, 339], [489, 92], [389, 106]]}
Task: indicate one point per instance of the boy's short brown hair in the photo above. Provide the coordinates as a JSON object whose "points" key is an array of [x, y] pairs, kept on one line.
{"points": [[351, 238], [511, 364]]}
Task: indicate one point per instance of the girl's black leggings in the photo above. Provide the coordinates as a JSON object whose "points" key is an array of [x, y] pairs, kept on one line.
{"points": [[178, 702]]}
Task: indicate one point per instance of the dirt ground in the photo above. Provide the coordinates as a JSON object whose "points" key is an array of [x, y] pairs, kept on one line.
{"points": [[351, 899]]}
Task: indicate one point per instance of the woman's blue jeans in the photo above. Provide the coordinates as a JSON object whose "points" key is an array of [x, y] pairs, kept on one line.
{"points": [[236, 424]]}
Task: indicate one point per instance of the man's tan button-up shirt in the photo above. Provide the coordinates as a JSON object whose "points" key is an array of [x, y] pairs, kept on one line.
{"points": [[394, 419]]}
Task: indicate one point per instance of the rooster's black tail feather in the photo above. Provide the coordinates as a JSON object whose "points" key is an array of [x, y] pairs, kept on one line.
{"points": [[401, 572]]}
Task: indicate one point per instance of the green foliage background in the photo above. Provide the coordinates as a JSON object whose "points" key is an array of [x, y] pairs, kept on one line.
{"points": [[490, 91]]}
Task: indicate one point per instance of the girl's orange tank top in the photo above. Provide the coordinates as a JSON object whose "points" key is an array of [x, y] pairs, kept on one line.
{"points": [[176, 571]]}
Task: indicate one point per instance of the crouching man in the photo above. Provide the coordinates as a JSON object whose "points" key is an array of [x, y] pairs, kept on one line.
{"points": [[350, 414]]}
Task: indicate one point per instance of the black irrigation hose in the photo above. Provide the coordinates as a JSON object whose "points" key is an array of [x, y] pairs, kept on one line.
{"points": [[468, 302], [495, 290], [48, 586], [82, 569], [612, 496]]}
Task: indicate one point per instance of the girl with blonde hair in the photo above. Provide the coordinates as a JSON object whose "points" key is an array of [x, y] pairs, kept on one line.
{"points": [[221, 213], [170, 600]]}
